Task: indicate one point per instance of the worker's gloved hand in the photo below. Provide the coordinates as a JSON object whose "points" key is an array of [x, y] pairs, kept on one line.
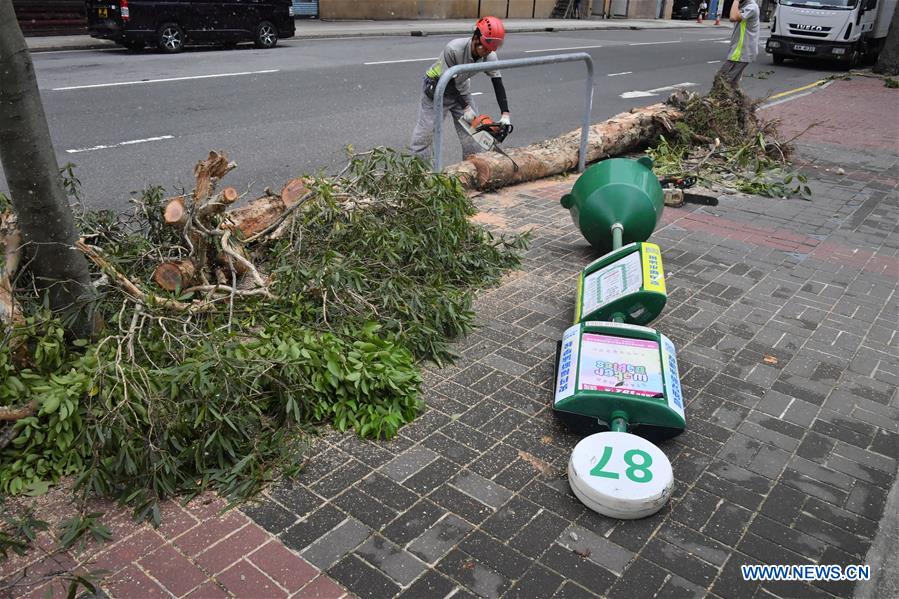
{"points": [[506, 119], [469, 114]]}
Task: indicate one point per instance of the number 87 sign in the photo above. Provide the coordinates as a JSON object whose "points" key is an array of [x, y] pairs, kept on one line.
{"points": [[620, 475]]}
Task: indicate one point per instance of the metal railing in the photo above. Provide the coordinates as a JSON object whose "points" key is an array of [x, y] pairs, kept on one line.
{"points": [[512, 64]]}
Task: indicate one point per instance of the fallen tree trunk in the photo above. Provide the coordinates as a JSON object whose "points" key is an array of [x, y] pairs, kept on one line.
{"points": [[625, 132]]}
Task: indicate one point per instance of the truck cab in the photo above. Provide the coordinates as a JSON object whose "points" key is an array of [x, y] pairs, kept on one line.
{"points": [[842, 30]]}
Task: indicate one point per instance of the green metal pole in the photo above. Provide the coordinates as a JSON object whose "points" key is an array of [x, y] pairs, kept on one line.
{"points": [[617, 234], [617, 242], [619, 425]]}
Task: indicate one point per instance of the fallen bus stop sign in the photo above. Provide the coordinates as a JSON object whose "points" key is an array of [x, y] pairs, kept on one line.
{"points": [[620, 475]]}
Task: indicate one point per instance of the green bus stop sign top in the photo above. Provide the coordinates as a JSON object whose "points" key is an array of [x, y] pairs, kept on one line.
{"points": [[616, 191]]}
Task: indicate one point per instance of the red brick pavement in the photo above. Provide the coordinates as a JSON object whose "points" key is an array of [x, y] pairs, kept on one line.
{"points": [[197, 552], [850, 114]]}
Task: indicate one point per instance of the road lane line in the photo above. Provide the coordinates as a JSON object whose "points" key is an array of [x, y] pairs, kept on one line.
{"points": [[712, 61], [396, 61], [166, 80], [621, 73], [653, 43], [557, 49], [130, 142], [656, 91], [792, 94]]}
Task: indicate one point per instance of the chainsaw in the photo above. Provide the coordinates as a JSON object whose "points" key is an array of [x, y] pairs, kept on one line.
{"points": [[488, 134]]}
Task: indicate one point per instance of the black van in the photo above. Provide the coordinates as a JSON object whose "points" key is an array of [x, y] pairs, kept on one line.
{"points": [[170, 24]]}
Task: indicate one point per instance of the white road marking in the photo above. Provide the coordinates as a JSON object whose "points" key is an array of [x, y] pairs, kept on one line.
{"points": [[557, 49], [166, 80], [621, 73], [123, 143], [712, 61], [396, 61], [656, 91], [476, 93], [654, 43], [713, 39]]}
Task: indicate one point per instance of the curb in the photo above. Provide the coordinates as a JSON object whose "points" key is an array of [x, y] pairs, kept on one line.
{"points": [[93, 44]]}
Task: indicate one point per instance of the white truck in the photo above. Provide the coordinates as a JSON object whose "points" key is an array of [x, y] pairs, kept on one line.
{"points": [[848, 31]]}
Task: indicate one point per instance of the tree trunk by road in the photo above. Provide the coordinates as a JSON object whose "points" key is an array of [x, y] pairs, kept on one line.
{"points": [[888, 60], [35, 185], [625, 132]]}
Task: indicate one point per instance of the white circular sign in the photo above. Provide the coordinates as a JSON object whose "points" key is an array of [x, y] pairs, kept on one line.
{"points": [[620, 475]]}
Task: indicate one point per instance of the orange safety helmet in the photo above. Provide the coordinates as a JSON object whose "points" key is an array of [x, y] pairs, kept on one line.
{"points": [[492, 33]]}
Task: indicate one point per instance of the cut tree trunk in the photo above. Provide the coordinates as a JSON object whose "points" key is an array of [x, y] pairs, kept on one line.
{"points": [[262, 213], [208, 171], [216, 204], [625, 132], [294, 190], [174, 276], [175, 212], [257, 216]]}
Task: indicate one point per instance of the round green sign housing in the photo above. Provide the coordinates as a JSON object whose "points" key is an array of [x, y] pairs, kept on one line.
{"points": [[616, 192], [620, 475], [626, 285]]}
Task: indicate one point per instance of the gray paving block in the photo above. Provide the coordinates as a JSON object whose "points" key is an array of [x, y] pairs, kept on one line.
{"points": [[408, 463], [398, 564], [439, 539], [485, 491], [597, 549], [336, 543]]}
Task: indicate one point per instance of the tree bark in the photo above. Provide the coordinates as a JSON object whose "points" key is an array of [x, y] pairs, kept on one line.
{"points": [[35, 185], [11, 252], [257, 215], [888, 59], [625, 132]]}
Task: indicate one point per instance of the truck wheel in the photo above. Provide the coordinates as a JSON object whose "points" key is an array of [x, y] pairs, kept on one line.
{"points": [[266, 35], [853, 60], [170, 38], [777, 58]]}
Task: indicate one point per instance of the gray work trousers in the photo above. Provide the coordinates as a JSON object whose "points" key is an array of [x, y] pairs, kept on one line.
{"points": [[423, 134], [732, 71]]}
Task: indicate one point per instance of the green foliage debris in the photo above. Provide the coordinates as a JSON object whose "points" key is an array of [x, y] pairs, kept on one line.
{"points": [[722, 143], [374, 274]]}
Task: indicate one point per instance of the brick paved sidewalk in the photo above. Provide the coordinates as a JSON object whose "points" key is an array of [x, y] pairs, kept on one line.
{"points": [[785, 316]]}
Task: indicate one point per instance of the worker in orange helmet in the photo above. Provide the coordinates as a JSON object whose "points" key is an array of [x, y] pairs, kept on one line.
{"points": [[488, 36]]}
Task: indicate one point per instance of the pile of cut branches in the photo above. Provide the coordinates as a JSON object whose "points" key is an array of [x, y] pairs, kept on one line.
{"points": [[722, 142], [230, 332]]}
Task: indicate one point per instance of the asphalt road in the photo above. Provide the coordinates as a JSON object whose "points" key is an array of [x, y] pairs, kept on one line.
{"points": [[130, 120]]}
